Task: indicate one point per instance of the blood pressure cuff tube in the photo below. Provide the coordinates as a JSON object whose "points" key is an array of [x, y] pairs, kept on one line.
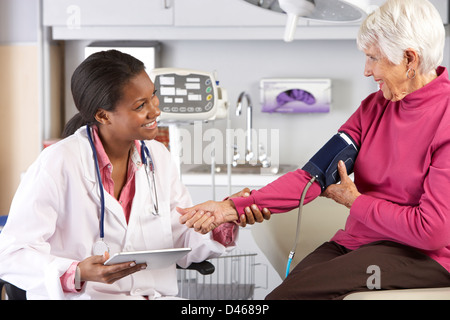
{"points": [[323, 165]]}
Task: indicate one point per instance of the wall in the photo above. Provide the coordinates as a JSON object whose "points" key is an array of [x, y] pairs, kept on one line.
{"points": [[19, 93], [24, 124]]}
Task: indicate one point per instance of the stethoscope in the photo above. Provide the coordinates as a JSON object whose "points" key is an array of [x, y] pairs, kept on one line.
{"points": [[100, 247]]}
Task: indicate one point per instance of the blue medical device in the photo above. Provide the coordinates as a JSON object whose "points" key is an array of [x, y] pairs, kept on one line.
{"points": [[323, 165], [323, 168]]}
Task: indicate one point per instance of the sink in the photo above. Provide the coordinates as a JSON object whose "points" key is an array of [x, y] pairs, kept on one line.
{"points": [[239, 169]]}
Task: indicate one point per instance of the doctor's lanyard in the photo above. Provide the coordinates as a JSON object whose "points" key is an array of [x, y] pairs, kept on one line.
{"points": [[100, 247]]}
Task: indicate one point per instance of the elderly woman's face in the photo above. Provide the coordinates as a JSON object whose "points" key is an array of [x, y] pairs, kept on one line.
{"points": [[390, 77]]}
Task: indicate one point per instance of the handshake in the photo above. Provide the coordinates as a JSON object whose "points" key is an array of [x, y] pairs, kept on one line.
{"points": [[206, 216]]}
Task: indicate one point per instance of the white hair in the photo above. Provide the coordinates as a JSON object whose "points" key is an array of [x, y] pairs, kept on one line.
{"points": [[399, 25]]}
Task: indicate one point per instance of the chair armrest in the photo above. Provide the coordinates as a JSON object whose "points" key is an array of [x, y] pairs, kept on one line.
{"points": [[13, 292], [204, 267]]}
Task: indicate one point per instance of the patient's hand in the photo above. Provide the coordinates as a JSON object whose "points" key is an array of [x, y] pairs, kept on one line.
{"points": [[344, 193], [252, 213], [206, 216]]}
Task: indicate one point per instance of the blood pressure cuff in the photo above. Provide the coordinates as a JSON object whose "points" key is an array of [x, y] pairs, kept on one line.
{"points": [[323, 165]]}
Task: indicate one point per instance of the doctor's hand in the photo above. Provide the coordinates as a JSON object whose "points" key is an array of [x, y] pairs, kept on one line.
{"points": [[206, 216], [93, 269], [344, 193]]}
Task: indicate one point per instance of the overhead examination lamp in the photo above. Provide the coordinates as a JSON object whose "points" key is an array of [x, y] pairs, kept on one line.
{"points": [[333, 11]]}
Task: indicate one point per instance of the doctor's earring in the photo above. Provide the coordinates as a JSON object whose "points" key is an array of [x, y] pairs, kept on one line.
{"points": [[411, 73]]}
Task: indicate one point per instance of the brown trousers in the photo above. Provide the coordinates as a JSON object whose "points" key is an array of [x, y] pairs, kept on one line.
{"points": [[332, 272]]}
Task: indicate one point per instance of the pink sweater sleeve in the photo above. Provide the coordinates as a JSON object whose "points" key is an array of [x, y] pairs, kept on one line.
{"points": [[280, 195], [425, 226], [284, 194]]}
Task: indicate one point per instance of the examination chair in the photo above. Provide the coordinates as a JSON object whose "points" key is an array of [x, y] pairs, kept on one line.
{"points": [[320, 221], [11, 292]]}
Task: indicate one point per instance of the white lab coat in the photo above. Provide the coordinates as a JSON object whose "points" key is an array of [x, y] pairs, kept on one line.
{"points": [[54, 221]]}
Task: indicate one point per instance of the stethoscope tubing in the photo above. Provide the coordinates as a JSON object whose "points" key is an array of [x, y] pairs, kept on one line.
{"points": [[99, 177], [148, 162]]}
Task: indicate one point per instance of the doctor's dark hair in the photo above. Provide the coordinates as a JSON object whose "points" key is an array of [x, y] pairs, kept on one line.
{"points": [[98, 82]]}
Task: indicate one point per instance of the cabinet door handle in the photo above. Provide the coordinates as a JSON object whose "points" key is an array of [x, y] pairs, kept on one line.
{"points": [[167, 4]]}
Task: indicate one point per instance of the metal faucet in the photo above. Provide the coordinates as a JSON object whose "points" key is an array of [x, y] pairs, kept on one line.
{"points": [[249, 145]]}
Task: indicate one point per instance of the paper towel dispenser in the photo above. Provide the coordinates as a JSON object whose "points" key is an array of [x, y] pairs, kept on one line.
{"points": [[295, 95]]}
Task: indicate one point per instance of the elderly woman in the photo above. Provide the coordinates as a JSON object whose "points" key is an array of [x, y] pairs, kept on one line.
{"points": [[399, 218]]}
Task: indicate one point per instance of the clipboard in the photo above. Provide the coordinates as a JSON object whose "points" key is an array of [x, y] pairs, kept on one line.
{"points": [[155, 259]]}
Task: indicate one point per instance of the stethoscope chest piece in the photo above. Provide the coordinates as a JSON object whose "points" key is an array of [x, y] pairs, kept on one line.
{"points": [[99, 248]]}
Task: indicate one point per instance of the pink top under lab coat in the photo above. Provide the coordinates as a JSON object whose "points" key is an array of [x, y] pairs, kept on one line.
{"points": [[402, 171]]}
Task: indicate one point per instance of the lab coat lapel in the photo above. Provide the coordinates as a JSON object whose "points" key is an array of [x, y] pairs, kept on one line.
{"points": [[150, 231], [114, 207], [139, 209], [87, 159]]}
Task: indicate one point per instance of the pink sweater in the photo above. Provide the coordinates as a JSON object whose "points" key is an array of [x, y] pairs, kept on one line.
{"points": [[402, 171]]}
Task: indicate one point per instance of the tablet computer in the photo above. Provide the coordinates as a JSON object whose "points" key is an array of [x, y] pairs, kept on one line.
{"points": [[155, 259]]}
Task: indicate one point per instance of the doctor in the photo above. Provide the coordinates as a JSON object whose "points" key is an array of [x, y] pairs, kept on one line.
{"points": [[58, 236]]}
